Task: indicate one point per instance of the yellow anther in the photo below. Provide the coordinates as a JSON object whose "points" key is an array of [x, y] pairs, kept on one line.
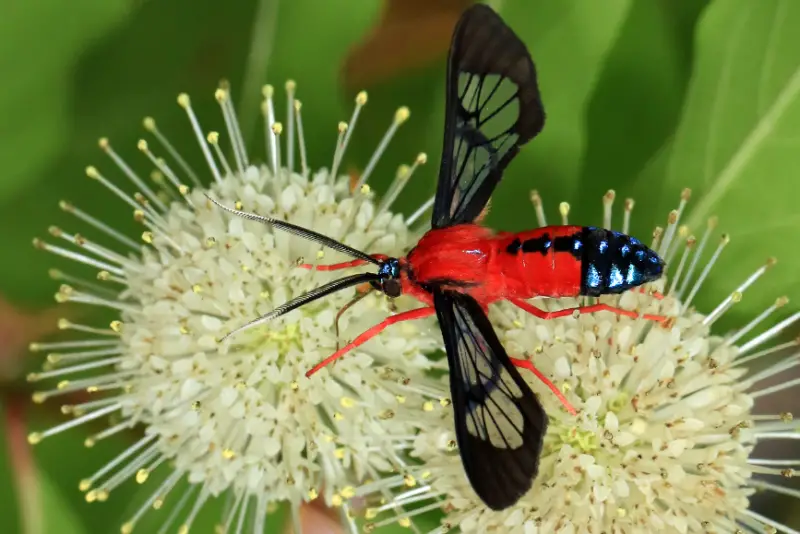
{"points": [[141, 476], [401, 115]]}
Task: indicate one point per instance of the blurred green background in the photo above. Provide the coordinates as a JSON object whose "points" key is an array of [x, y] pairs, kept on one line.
{"points": [[645, 97]]}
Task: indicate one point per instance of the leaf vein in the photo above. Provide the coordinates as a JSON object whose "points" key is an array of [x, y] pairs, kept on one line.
{"points": [[740, 159]]}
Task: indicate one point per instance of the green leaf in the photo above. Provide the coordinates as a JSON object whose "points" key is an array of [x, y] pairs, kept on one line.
{"points": [[56, 510], [636, 106], [569, 42], [64, 461], [163, 49], [30, 492], [38, 50], [738, 142], [11, 517]]}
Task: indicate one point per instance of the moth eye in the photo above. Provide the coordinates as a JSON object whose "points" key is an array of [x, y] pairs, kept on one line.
{"points": [[392, 288]]}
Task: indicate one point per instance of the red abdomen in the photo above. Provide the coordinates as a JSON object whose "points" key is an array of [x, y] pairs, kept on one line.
{"points": [[553, 261], [488, 266], [543, 262]]}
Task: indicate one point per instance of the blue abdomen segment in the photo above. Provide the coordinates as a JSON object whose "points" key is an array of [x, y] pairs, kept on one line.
{"points": [[612, 262]]}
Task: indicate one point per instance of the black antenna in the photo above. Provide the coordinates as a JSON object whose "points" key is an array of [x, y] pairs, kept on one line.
{"points": [[314, 294], [300, 231]]}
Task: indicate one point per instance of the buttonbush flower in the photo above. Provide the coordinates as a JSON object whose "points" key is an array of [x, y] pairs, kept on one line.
{"points": [[237, 418], [666, 427]]}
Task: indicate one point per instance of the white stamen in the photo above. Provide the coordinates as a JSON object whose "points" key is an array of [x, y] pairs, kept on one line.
{"points": [[201, 500], [608, 203], [290, 88], [704, 273], [779, 387], [132, 176], [268, 110], [163, 168], [61, 357], [658, 232], [119, 459], [686, 194], [680, 239], [773, 462], [766, 352], [401, 179], [94, 174], [75, 369], [536, 200], [70, 295], [94, 248], [736, 297], [769, 334], [85, 217], [672, 224], [64, 324], [261, 505], [231, 512], [405, 515], [779, 303], [36, 437], [87, 285], [108, 432], [400, 116], [242, 512], [129, 469], [163, 489], [420, 211], [345, 133], [626, 217], [150, 125], [164, 192], [301, 138], [78, 257], [213, 140], [712, 224], [563, 209], [223, 96], [186, 104], [277, 129], [690, 243], [769, 522]]}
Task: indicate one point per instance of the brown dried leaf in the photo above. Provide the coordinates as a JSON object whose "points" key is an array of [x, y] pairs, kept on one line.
{"points": [[315, 518], [410, 34], [18, 328]]}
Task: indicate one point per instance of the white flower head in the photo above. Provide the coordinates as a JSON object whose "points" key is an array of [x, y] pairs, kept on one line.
{"points": [[665, 425], [238, 416]]}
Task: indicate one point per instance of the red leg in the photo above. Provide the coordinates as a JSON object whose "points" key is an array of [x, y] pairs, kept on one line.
{"points": [[541, 314], [527, 364], [365, 336], [338, 266]]}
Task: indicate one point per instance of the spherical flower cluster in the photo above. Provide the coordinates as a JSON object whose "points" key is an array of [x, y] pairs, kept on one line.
{"points": [[237, 416], [665, 428]]}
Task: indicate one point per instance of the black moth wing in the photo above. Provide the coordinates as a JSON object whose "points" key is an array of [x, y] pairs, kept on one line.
{"points": [[493, 107], [500, 425]]}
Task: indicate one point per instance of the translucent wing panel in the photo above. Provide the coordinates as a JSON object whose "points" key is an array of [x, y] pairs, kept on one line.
{"points": [[498, 420], [493, 107]]}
